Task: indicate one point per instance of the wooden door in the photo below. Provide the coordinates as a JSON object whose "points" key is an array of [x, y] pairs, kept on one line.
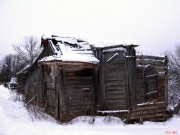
{"points": [[114, 75]]}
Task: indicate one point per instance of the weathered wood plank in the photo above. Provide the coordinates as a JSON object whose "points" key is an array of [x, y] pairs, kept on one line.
{"points": [[131, 75], [80, 92], [82, 104], [116, 83], [156, 119], [114, 56], [149, 61], [51, 110], [79, 83], [150, 57], [78, 111], [115, 78], [114, 74], [149, 107], [118, 101], [87, 96], [51, 98], [77, 88], [115, 107], [74, 78], [120, 86], [115, 65], [70, 64], [50, 85], [117, 91], [115, 96], [148, 112], [148, 116]]}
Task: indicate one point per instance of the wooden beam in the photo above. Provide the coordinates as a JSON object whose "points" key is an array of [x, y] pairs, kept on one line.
{"points": [[131, 74]]}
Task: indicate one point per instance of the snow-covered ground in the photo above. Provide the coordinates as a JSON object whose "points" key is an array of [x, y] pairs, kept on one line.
{"points": [[16, 120]]}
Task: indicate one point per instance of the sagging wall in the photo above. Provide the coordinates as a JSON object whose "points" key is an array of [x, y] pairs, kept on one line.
{"points": [[74, 89], [151, 89], [156, 77], [70, 90], [34, 85], [78, 95], [50, 91]]}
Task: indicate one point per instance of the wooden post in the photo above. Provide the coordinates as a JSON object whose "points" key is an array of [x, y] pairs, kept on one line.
{"points": [[131, 74], [96, 82], [101, 88], [57, 88], [101, 79], [166, 80], [61, 93]]}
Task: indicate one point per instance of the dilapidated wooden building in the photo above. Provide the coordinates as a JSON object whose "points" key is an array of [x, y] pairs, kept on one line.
{"points": [[64, 77], [131, 86], [72, 78]]}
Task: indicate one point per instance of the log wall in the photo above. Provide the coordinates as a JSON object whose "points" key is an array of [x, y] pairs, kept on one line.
{"points": [[34, 86], [72, 89], [79, 90], [150, 109], [50, 89], [160, 65]]}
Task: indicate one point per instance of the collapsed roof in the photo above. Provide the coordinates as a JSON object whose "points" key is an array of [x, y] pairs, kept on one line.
{"points": [[68, 49]]}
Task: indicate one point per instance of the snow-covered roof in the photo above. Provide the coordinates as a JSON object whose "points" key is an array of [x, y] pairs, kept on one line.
{"points": [[69, 49], [108, 43], [24, 70]]}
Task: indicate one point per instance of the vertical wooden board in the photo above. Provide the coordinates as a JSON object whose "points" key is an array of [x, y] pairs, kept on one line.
{"points": [[57, 91], [102, 83], [166, 80], [80, 91], [41, 85], [61, 92], [33, 85], [131, 70], [51, 100], [56, 109], [114, 78]]}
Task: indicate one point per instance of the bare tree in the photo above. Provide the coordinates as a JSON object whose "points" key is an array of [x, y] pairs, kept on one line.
{"points": [[174, 75], [6, 71], [28, 49], [9, 66], [17, 64]]}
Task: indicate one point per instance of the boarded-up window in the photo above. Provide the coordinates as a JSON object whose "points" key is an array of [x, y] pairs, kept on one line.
{"points": [[151, 82]]}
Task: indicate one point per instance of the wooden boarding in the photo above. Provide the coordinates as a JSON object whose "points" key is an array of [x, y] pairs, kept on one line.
{"points": [[121, 80]]}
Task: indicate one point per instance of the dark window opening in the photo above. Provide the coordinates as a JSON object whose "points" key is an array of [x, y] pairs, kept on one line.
{"points": [[151, 82]]}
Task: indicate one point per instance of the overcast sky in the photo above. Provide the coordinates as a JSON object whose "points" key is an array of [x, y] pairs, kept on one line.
{"points": [[154, 24]]}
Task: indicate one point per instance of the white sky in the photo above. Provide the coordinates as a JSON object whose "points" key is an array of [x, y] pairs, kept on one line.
{"points": [[154, 24]]}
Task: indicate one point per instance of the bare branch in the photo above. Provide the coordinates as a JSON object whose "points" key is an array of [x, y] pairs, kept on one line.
{"points": [[28, 49], [174, 75]]}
